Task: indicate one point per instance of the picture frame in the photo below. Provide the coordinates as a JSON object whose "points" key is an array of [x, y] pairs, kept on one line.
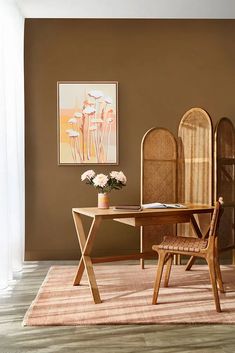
{"points": [[87, 121]]}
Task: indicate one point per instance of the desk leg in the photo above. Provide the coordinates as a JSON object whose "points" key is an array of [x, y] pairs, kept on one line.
{"points": [[198, 232], [86, 245], [79, 274]]}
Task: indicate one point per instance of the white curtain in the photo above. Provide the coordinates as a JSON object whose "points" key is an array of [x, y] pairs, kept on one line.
{"points": [[11, 141]]}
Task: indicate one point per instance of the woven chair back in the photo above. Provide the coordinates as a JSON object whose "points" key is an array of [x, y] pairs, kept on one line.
{"points": [[215, 220]]}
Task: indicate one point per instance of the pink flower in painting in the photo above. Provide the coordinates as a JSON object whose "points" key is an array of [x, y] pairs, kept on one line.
{"points": [[108, 100], [72, 121], [72, 133], [95, 94], [100, 180], [89, 110]]}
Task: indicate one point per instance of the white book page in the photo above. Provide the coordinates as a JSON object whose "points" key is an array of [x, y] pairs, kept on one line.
{"points": [[163, 205]]}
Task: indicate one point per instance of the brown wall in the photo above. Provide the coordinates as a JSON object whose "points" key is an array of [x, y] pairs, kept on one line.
{"points": [[164, 67]]}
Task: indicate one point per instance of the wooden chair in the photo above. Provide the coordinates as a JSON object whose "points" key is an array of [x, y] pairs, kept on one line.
{"points": [[204, 248]]}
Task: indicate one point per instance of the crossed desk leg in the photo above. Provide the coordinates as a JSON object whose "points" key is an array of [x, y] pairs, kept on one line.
{"points": [[85, 263]]}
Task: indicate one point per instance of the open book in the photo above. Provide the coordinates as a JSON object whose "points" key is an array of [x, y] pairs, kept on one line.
{"points": [[163, 205]]}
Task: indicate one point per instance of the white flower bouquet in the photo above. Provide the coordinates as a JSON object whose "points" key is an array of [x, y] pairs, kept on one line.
{"points": [[105, 183]]}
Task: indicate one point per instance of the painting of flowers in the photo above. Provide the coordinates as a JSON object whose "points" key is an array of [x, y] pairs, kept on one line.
{"points": [[87, 123]]}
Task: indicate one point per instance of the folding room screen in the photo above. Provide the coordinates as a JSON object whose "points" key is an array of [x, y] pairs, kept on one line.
{"points": [[158, 178], [224, 177], [182, 171], [195, 163]]}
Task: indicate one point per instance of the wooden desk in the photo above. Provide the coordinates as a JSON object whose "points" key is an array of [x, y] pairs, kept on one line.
{"points": [[133, 218]]}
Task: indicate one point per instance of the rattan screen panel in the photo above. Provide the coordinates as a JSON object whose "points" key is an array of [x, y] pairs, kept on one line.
{"points": [[195, 163], [224, 176], [158, 179]]}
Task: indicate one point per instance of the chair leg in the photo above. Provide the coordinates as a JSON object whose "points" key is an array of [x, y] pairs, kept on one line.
{"points": [[190, 263], [161, 260], [219, 276], [211, 264], [168, 270], [217, 268]]}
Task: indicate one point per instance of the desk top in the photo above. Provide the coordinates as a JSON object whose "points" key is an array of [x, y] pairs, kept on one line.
{"points": [[110, 213]]}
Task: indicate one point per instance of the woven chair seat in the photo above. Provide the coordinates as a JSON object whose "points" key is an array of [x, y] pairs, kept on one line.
{"points": [[177, 243]]}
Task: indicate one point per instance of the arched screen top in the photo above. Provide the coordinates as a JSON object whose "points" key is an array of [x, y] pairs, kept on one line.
{"points": [[225, 139], [159, 144], [158, 166], [195, 157], [195, 131]]}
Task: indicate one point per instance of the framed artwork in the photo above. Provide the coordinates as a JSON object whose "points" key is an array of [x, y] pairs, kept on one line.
{"points": [[87, 123]]}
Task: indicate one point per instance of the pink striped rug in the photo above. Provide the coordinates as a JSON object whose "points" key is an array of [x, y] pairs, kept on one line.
{"points": [[126, 293]]}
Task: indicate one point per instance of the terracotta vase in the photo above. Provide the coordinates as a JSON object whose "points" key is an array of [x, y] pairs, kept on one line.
{"points": [[103, 200]]}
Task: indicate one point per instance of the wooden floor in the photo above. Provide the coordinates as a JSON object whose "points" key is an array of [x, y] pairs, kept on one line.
{"points": [[97, 339]]}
